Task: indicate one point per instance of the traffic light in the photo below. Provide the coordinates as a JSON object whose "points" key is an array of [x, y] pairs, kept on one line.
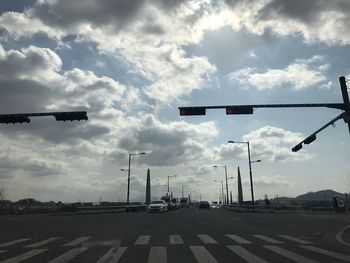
{"points": [[14, 119], [297, 147], [230, 110], [188, 111], [71, 116], [310, 139]]}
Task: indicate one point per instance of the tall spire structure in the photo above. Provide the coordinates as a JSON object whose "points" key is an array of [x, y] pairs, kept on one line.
{"points": [[240, 192], [148, 188]]}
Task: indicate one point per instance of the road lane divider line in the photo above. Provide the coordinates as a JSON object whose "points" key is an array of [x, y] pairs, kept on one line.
{"points": [[24, 256], [76, 241], [142, 240], [113, 255], [206, 239], [69, 255], [289, 254], [44, 242], [157, 255], [202, 255], [339, 238], [268, 239], [238, 239], [297, 240], [14, 242], [329, 253], [176, 240], [246, 255]]}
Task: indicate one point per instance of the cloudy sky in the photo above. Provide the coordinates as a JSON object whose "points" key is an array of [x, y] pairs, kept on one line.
{"points": [[131, 64]]}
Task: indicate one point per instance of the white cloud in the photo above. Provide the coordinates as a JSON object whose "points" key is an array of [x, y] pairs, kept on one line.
{"points": [[301, 74]]}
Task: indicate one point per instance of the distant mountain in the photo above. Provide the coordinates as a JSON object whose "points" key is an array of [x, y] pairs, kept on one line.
{"points": [[323, 195]]}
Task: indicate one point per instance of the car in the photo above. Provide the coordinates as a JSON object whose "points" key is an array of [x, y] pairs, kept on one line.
{"points": [[204, 205], [136, 207], [158, 206]]}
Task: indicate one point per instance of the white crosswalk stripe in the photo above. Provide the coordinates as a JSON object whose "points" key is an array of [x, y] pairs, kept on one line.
{"points": [[24, 256], [44, 242], [290, 255], [142, 240], [202, 255], [246, 255], [206, 239], [157, 255], [69, 255], [268, 239], [175, 240], [2, 251], [238, 239], [329, 253], [298, 240], [76, 241], [113, 255], [14, 242]]}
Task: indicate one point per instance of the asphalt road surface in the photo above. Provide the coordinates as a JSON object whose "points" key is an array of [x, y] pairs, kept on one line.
{"points": [[186, 235]]}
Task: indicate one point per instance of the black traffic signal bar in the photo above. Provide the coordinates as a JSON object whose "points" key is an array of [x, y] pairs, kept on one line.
{"points": [[60, 116], [248, 109]]}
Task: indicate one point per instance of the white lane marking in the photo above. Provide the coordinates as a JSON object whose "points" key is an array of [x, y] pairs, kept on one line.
{"points": [[69, 255], [142, 240], [298, 240], [76, 241], [157, 255], [14, 242], [328, 253], [268, 239], [238, 239], [44, 242], [202, 255], [338, 236], [206, 239], [24, 256], [246, 255], [113, 255], [289, 254], [175, 239]]}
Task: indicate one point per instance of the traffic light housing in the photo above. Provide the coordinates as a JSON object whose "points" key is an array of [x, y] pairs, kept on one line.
{"points": [[232, 110], [71, 116], [12, 118], [190, 111]]}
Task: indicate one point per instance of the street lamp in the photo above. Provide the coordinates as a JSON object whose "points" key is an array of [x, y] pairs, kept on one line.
{"points": [[128, 170], [250, 168], [175, 175], [183, 189], [222, 189], [224, 166]]}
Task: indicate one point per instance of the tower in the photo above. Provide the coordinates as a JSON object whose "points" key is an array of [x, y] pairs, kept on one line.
{"points": [[148, 188], [240, 192]]}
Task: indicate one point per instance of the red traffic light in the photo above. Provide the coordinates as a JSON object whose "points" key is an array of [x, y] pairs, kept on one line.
{"points": [[231, 110], [188, 111]]}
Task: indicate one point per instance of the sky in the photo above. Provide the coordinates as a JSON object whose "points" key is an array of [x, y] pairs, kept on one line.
{"points": [[131, 64]]}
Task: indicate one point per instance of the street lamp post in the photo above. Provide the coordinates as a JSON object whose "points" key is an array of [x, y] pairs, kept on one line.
{"points": [[183, 189], [250, 168], [222, 189], [169, 181], [215, 166], [128, 192]]}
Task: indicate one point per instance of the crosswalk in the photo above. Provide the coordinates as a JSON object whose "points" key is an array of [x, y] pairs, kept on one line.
{"points": [[202, 248]]}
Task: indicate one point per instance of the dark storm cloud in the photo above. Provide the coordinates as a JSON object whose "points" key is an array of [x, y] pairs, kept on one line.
{"points": [[67, 13]]}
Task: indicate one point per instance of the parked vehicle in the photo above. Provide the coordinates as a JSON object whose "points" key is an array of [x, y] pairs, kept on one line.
{"points": [[158, 206], [184, 202], [136, 207], [176, 203], [204, 205]]}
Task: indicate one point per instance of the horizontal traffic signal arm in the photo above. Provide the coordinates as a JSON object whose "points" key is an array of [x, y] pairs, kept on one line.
{"points": [[60, 116], [248, 109]]}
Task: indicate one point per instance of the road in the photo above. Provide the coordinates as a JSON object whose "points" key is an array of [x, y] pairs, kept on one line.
{"points": [[185, 235]]}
